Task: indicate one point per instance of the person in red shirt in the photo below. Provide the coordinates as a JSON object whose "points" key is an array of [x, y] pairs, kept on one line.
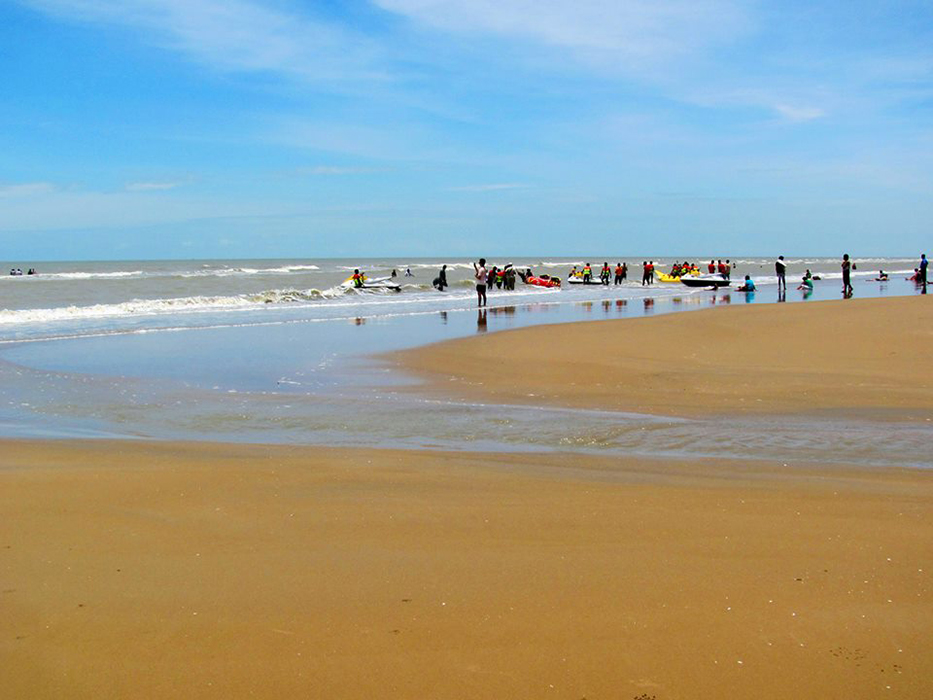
{"points": [[651, 272], [711, 267], [605, 273]]}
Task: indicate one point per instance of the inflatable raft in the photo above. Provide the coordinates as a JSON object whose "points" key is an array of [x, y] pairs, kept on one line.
{"points": [[542, 281], [664, 277]]}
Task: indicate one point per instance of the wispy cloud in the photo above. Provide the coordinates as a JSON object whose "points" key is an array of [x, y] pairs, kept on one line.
{"points": [[233, 35], [25, 189], [635, 30], [794, 113], [492, 187], [337, 170], [151, 186]]}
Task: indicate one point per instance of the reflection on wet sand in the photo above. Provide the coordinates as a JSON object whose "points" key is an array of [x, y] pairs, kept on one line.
{"points": [[481, 321], [502, 310]]}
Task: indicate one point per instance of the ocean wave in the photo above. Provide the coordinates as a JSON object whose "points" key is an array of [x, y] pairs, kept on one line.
{"points": [[205, 271], [228, 271], [121, 274], [153, 307]]}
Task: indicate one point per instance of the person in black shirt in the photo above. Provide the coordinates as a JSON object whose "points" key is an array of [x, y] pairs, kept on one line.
{"points": [[846, 272]]}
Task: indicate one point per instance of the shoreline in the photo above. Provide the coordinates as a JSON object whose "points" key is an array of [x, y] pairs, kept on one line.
{"points": [[219, 570], [678, 364]]}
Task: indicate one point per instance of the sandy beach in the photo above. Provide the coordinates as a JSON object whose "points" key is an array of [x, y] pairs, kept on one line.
{"points": [[868, 356], [158, 570], [134, 570]]}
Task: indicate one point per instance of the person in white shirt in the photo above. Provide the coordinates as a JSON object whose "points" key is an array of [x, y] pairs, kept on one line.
{"points": [[480, 275]]}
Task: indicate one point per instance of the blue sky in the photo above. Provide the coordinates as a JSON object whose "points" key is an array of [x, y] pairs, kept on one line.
{"points": [[279, 128]]}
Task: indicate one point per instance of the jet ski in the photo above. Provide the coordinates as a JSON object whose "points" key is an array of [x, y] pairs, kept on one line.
{"points": [[387, 283], [705, 281], [594, 280]]}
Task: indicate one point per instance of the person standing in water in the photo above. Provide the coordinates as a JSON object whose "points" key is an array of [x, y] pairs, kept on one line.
{"points": [[846, 275], [780, 267], [922, 279], [479, 272], [441, 282]]}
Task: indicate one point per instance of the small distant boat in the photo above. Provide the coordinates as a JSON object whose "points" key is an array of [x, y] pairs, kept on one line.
{"points": [[705, 281]]}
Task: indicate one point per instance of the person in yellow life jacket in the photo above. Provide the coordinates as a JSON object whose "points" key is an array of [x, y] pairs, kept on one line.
{"points": [[357, 279], [605, 273], [587, 273]]}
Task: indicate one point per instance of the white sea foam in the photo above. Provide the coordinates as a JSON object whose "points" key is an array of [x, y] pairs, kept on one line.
{"points": [[119, 274], [148, 307]]}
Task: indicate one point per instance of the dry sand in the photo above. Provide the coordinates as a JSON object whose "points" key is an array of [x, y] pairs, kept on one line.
{"points": [[135, 570], [868, 355], [140, 570]]}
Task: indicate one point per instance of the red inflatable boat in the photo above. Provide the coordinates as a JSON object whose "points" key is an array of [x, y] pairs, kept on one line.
{"points": [[543, 281]]}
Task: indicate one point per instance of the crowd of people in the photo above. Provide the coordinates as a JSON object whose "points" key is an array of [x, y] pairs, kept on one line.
{"points": [[505, 277]]}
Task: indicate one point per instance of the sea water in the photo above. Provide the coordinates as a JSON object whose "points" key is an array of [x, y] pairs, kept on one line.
{"points": [[281, 351]]}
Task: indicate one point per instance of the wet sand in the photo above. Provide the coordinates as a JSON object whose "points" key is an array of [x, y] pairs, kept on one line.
{"points": [[158, 570], [868, 356]]}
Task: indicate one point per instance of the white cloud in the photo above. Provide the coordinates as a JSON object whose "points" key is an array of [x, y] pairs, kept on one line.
{"points": [[26, 189], [794, 113], [73, 209], [493, 187], [621, 29], [151, 186], [337, 170], [231, 35]]}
